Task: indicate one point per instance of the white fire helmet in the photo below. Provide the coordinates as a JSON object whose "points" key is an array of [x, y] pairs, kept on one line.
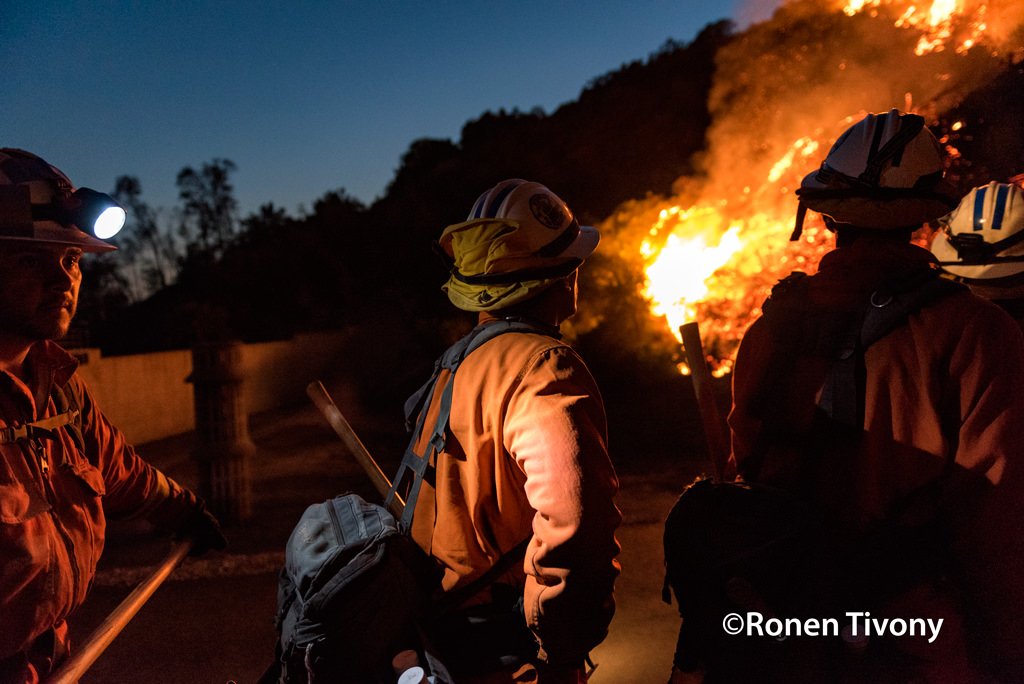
{"points": [[885, 172], [38, 203], [518, 239], [983, 238]]}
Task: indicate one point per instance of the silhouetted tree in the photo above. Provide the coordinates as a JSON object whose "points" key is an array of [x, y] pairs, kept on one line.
{"points": [[147, 249], [209, 206]]}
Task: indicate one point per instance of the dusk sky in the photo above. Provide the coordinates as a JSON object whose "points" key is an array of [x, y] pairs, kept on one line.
{"points": [[304, 97]]}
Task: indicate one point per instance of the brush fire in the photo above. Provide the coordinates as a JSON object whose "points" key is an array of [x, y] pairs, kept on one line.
{"points": [[783, 90]]}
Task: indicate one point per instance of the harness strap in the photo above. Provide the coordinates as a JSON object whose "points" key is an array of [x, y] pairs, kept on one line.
{"points": [[418, 464], [889, 307], [454, 598], [842, 395], [38, 429], [418, 405]]}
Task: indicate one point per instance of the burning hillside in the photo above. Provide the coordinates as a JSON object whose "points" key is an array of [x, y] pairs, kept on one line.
{"points": [[783, 90]]}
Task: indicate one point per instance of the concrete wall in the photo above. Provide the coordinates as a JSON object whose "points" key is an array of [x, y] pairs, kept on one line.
{"points": [[148, 398]]}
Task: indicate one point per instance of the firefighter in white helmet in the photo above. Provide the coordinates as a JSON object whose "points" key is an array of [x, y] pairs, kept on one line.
{"points": [[525, 465], [64, 468], [981, 244], [890, 399]]}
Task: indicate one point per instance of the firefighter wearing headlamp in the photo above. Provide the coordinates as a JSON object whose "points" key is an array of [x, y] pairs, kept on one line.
{"points": [[64, 468]]}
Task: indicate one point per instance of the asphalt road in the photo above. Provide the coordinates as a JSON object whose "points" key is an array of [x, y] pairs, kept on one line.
{"points": [[212, 621]]}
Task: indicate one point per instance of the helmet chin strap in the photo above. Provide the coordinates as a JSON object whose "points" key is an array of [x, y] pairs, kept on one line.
{"points": [[801, 214], [971, 248]]}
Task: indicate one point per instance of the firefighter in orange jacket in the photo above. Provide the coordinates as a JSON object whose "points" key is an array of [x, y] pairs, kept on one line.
{"points": [[933, 443], [527, 454], [63, 467]]}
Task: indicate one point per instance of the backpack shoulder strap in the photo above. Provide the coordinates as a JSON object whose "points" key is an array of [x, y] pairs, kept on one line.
{"points": [[67, 400], [418, 405], [69, 415], [888, 308], [796, 328]]}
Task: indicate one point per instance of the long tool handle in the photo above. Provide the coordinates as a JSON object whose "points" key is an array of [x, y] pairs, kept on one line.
{"points": [[75, 666], [318, 393], [714, 431]]}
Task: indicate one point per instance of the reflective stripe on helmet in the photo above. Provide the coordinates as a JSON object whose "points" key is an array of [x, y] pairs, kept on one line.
{"points": [[997, 216], [979, 209], [488, 205]]}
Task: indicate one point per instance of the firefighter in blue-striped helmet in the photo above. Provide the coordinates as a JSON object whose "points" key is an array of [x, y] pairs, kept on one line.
{"points": [[982, 244]]}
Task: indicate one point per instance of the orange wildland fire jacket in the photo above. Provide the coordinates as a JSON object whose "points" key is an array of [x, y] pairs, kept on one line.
{"points": [[944, 403], [526, 457], [55, 498]]}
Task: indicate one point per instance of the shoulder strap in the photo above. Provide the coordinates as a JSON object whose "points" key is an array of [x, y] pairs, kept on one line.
{"points": [[69, 415], [888, 308], [456, 597], [417, 406], [67, 400], [842, 396]]}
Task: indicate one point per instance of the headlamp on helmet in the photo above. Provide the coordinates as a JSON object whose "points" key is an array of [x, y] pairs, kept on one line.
{"points": [[88, 210], [38, 203]]}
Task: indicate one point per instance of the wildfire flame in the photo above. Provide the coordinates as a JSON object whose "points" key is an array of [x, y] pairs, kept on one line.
{"points": [[936, 22], [716, 257]]}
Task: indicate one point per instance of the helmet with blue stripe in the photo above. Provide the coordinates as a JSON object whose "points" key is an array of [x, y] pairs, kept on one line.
{"points": [[983, 238]]}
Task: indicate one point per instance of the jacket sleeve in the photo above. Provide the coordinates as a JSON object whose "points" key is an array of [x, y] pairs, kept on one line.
{"points": [[986, 492], [134, 487], [555, 428]]}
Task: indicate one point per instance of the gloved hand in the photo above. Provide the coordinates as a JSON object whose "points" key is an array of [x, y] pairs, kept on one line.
{"points": [[203, 529], [184, 515]]}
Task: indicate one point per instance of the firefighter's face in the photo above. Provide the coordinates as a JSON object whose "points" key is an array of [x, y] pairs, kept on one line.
{"points": [[568, 292], [38, 289]]}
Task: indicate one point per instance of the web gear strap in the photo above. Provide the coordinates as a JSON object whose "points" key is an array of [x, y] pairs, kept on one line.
{"points": [[418, 405], [69, 416]]}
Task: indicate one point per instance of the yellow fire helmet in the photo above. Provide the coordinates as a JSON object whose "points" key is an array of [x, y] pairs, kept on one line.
{"points": [[983, 238], [517, 241], [885, 172], [38, 203]]}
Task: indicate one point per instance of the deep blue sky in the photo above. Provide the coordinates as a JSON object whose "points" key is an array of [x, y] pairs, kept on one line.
{"points": [[304, 97]]}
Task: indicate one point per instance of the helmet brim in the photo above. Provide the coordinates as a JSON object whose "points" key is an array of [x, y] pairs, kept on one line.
{"points": [[584, 244], [882, 208], [49, 232]]}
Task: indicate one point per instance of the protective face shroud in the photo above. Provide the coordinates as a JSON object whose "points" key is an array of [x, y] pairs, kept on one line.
{"points": [[518, 240], [884, 172], [983, 238], [38, 203]]}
